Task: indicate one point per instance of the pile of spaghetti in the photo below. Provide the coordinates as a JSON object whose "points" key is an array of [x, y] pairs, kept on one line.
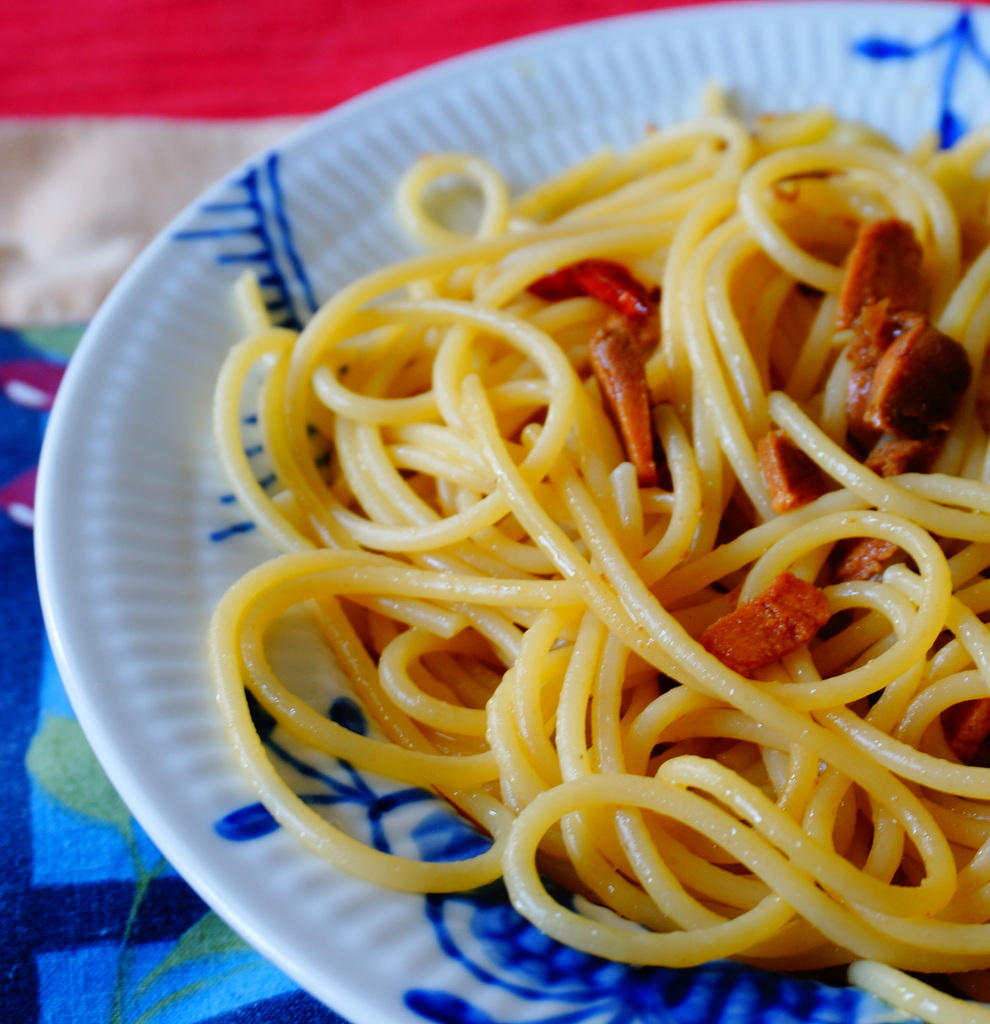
{"points": [[652, 530]]}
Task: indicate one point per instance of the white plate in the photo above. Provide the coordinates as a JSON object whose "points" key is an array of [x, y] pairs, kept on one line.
{"points": [[129, 502]]}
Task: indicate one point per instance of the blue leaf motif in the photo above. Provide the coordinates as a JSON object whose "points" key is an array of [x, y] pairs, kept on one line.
{"points": [[250, 227], [443, 1008], [348, 713], [230, 531], [883, 49], [957, 45], [245, 823], [441, 836], [950, 129]]}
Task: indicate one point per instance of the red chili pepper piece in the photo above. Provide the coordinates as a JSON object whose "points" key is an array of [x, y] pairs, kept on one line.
{"points": [[605, 280], [558, 284], [617, 350]]}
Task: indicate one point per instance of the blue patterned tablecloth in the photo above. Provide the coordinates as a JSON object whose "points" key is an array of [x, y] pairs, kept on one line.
{"points": [[97, 927]]}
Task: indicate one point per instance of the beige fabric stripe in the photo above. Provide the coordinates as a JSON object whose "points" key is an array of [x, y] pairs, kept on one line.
{"points": [[80, 198]]}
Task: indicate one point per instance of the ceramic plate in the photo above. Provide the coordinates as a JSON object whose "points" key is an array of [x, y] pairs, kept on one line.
{"points": [[137, 536]]}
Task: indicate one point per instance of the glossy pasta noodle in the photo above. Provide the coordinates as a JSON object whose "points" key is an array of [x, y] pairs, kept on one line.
{"points": [[531, 615]]}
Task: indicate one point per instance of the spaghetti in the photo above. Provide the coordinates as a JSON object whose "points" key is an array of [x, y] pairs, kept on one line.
{"points": [[632, 543]]}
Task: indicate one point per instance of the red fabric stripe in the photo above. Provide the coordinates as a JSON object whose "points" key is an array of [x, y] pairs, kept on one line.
{"points": [[245, 58]]}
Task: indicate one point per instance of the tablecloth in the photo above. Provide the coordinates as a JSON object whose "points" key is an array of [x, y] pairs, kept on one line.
{"points": [[97, 926], [113, 113]]}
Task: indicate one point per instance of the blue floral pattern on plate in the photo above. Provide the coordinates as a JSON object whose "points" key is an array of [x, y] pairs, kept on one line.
{"points": [[250, 229], [490, 941], [955, 44]]}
